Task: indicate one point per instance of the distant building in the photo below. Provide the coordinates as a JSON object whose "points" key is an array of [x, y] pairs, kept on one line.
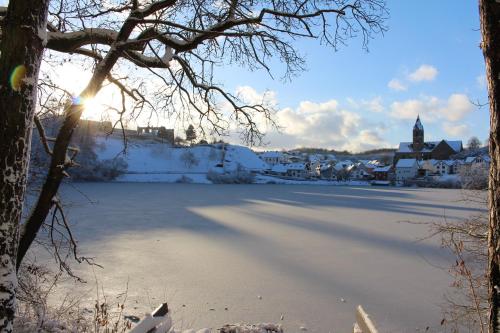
{"points": [[297, 170], [273, 157], [161, 132], [278, 170], [382, 173], [358, 171], [476, 162], [421, 150], [406, 168]]}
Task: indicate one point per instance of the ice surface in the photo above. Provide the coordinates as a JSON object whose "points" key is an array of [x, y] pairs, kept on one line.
{"points": [[313, 253]]}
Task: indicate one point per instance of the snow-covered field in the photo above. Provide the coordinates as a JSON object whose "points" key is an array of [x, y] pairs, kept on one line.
{"points": [[258, 253]]}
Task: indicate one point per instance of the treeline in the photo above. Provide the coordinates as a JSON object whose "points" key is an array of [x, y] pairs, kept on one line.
{"points": [[381, 151]]}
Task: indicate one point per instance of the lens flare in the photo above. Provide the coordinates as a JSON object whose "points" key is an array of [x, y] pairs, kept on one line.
{"points": [[77, 100], [17, 76]]}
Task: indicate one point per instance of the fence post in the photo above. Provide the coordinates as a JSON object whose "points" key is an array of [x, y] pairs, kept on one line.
{"points": [[157, 322], [363, 322]]}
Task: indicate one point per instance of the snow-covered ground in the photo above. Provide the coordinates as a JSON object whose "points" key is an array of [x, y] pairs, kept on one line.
{"points": [[150, 161], [258, 253]]}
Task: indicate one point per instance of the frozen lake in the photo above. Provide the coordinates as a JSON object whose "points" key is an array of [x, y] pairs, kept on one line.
{"points": [[251, 253]]}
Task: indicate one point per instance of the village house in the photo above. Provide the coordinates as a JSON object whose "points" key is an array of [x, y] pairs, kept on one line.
{"points": [[273, 157], [358, 171], [444, 167], [406, 168], [382, 173], [278, 170], [297, 170], [476, 162], [428, 167], [421, 150], [370, 165], [327, 171]]}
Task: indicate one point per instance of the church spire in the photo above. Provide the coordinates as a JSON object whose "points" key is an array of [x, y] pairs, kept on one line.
{"points": [[418, 124], [418, 135]]}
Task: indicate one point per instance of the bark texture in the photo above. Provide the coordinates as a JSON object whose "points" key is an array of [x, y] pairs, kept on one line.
{"points": [[22, 44], [489, 11]]}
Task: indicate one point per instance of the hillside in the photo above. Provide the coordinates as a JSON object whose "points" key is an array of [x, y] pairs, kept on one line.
{"points": [[152, 161]]}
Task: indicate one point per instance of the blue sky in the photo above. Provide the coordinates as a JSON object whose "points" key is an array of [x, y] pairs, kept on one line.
{"points": [[427, 63], [439, 37]]}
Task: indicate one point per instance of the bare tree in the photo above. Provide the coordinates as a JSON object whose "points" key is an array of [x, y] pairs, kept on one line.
{"points": [[177, 42], [489, 12], [473, 143]]}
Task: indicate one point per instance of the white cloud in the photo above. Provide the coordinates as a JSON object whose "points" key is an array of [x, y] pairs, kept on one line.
{"points": [[456, 130], [423, 73], [457, 108], [375, 104], [432, 109], [252, 96], [397, 85], [324, 125]]}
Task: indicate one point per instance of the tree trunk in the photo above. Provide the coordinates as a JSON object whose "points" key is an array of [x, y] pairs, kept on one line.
{"points": [[22, 45], [71, 118], [489, 12]]}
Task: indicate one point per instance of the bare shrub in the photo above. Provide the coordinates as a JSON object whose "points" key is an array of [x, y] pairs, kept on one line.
{"points": [[36, 314], [474, 178], [184, 180], [104, 170], [239, 176], [465, 309], [189, 159]]}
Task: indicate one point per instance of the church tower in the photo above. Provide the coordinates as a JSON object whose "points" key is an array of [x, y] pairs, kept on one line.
{"points": [[418, 135]]}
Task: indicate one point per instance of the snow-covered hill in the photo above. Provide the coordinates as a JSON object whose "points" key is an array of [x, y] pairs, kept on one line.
{"points": [[151, 161]]}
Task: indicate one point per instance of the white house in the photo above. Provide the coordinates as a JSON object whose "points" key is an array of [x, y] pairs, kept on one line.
{"points": [[445, 167], [475, 162], [297, 170], [430, 167], [279, 169], [358, 171], [406, 168], [273, 157]]}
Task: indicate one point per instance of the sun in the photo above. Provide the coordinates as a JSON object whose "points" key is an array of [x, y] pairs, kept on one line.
{"points": [[91, 108], [96, 108]]}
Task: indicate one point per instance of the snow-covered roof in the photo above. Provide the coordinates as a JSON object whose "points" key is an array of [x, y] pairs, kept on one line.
{"points": [[325, 166], [279, 168], [382, 169], [296, 166], [456, 145], [316, 157], [406, 147], [339, 166], [470, 159], [372, 164], [331, 157], [271, 154], [406, 163]]}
